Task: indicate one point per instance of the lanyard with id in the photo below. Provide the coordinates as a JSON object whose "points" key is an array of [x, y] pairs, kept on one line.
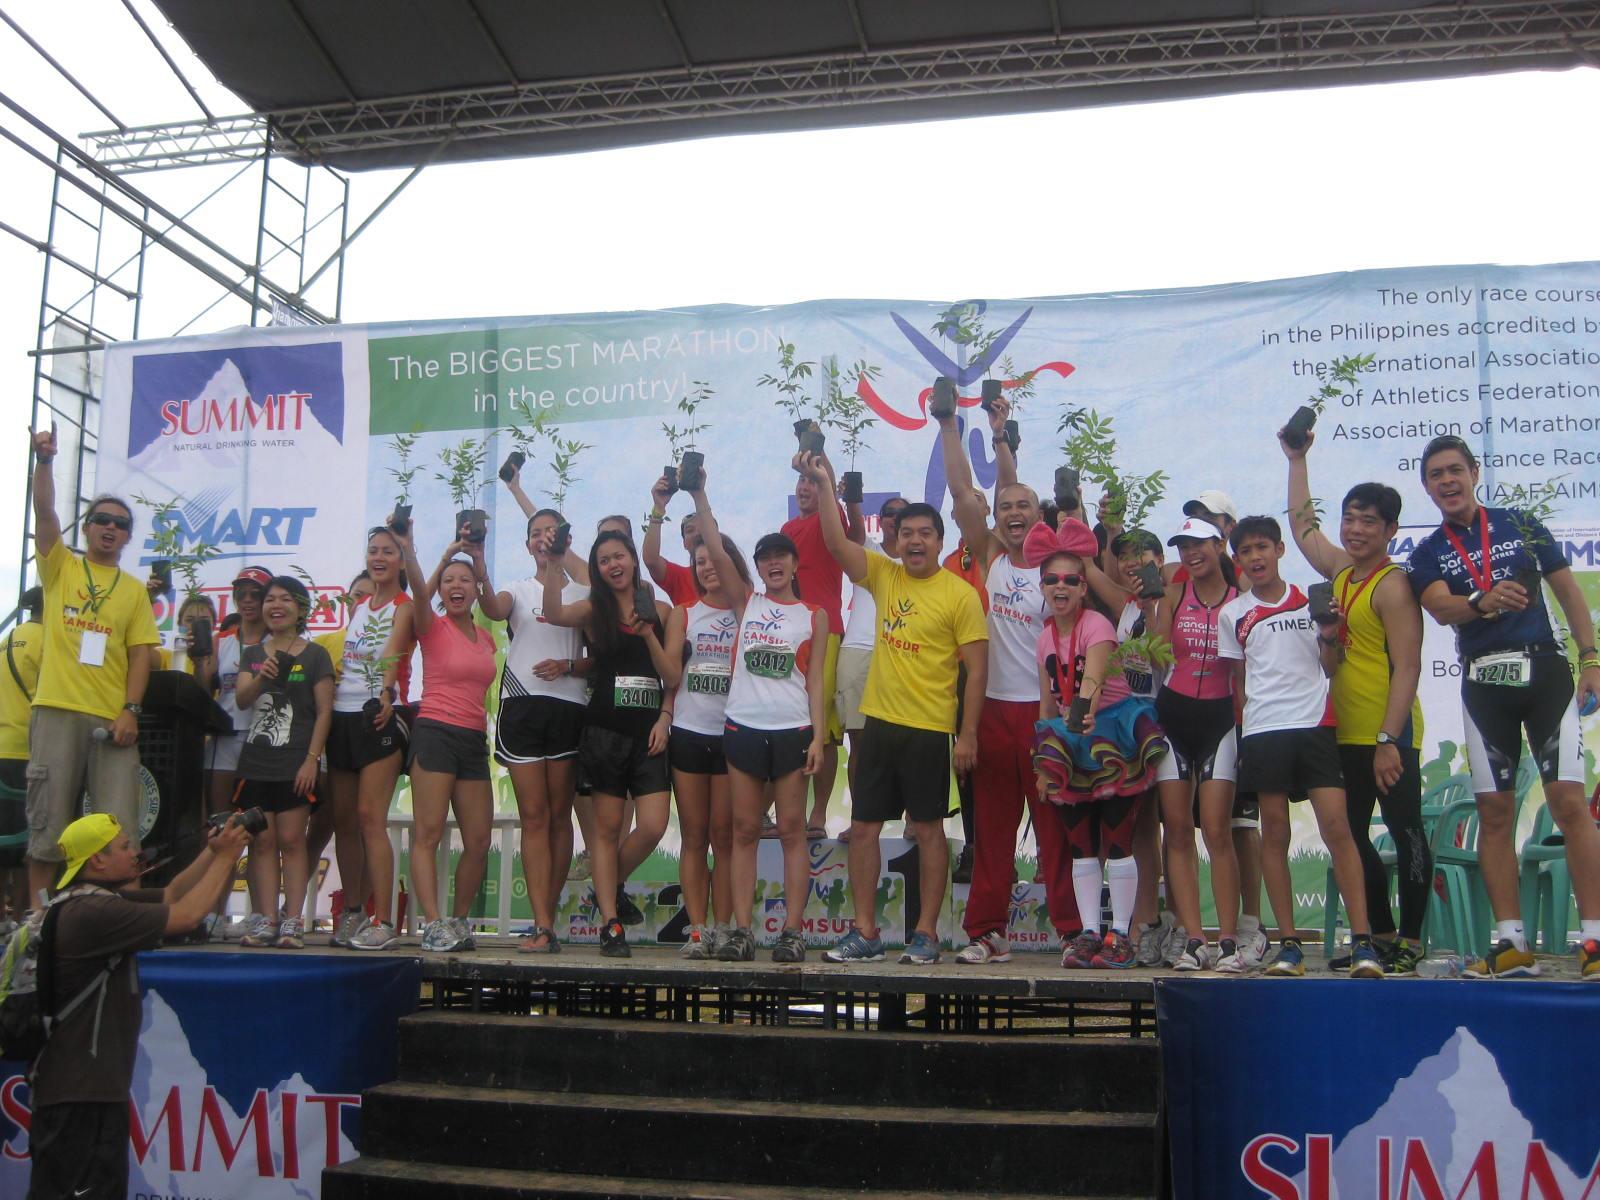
{"points": [[92, 642], [1347, 599], [1483, 579]]}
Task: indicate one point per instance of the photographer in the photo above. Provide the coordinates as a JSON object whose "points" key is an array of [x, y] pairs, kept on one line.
{"points": [[99, 634], [78, 1138]]}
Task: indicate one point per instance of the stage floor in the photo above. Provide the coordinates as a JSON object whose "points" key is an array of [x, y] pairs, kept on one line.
{"points": [[1028, 974]]}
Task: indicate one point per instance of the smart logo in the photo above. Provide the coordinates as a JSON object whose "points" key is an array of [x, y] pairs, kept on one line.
{"points": [[242, 396], [210, 520]]}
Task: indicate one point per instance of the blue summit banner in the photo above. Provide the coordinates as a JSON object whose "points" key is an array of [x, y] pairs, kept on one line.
{"points": [[249, 1075], [1402, 1090]]}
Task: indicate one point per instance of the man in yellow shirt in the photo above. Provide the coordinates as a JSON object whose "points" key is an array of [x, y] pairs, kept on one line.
{"points": [[18, 680], [930, 623], [99, 635]]}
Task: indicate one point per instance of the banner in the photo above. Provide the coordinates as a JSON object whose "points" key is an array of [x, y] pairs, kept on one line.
{"points": [[282, 446], [1421, 1090], [249, 1075]]}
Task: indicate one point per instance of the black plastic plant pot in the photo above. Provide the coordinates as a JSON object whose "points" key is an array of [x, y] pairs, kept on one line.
{"points": [[1148, 577], [473, 524], [670, 474], [692, 471], [812, 441], [991, 393], [943, 404], [852, 487], [1530, 579], [400, 522], [1320, 596], [200, 643], [804, 426], [1078, 714], [1302, 423], [1013, 436], [512, 465], [370, 708], [1068, 483], [161, 568]]}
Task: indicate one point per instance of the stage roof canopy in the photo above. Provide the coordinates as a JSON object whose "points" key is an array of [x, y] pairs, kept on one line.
{"points": [[382, 83]]}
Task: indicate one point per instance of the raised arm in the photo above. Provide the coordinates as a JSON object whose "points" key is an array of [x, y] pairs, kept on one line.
{"points": [[738, 595], [1325, 558], [667, 656], [514, 486], [815, 700], [200, 885], [1005, 463], [402, 637], [847, 554], [568, 616], [422, 602], [969, 513], [855, 525], [650, 548], [46, 525]]}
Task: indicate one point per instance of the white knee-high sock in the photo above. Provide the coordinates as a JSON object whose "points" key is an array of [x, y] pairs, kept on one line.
{"points": [[1122, 874], [1086, 887]]}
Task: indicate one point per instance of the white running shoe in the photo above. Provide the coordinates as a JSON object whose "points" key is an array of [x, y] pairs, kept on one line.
{"points": [[259, 930], [1230, 959], [350, 922], [1253, 945], [1195, 956], [992, 947], [375, 935], [1153, 940]]}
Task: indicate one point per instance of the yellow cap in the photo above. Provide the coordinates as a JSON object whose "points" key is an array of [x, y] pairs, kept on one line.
{"points": [[83, 839]]}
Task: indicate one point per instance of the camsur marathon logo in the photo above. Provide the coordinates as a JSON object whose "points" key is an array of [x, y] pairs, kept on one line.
{"points": [[235, 397]]}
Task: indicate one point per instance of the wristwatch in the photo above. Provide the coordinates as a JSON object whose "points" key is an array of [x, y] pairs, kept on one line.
{"points": [[136, 709], [1475, 603], [1383, 738]]}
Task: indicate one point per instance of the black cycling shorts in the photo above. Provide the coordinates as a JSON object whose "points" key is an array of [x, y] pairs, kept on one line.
{"points": [[1201, 735], [1496, 716]]}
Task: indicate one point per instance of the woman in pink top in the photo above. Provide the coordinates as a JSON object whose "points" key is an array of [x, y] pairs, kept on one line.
{"points": [[1095, 745], [449, 760]]}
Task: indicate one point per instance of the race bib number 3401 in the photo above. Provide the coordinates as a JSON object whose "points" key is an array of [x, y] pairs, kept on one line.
{"points": [[636, 691]]}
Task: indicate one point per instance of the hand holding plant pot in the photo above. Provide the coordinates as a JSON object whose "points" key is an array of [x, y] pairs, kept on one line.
{"points": [[661, 492], [942, 403], [1342, 373]]}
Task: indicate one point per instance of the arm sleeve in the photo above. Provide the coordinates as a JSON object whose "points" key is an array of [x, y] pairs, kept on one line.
{"points": [[1228, 644], [50, 565], [319, 665], [678, 582], [114, 925], [970, 625], [1097, 629], [877, 576], [142, 630]]}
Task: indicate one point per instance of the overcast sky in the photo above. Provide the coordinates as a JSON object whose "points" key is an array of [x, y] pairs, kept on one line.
{"points": [[1192, 192]]}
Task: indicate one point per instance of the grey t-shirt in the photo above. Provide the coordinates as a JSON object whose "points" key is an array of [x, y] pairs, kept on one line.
{"points": [[283, 715]]}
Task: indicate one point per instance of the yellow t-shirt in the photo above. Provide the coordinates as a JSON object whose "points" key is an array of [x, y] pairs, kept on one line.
{"points": [[333, 643], [21, 652], [1360, 686], [81, 597], [921, 625]]}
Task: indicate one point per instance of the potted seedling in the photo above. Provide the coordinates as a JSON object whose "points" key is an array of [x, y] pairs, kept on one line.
{"points": [[563, 464], [847, 412], [462, 474], [403, 445], [792, 397], [1139, 658], [1342, 374], [173, 559], [687, 468], [523, 435], [1532, 508]]}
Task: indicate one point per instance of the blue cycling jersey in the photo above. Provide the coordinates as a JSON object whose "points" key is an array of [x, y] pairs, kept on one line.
{"points": [[1517, 542]]}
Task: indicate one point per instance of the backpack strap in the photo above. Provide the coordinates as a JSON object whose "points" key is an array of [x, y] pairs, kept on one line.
{"points": [[11, 661], [46, 974]]}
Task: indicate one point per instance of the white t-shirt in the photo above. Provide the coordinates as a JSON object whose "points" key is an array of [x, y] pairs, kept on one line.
{"points": [[861, 626], [771, 664], [228, 651], [702, 696], [533, 639], [1277, 641], [1016, 619], [1142, 679], [364, 640]]}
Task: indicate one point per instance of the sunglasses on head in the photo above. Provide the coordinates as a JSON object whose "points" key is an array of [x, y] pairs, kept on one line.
{"points": [[105, 518], [1052, 579]]}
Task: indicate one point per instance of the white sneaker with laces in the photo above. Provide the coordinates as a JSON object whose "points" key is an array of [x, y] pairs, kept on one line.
{"points": [[1195, 956], [349, 924], [1230, 962], [992, 947], [375, 935], [259, 930], [1253, 946]]}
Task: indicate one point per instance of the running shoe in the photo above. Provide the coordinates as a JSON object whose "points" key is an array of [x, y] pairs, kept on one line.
{"points": [[1230, 960], [1364, 961], [348, 924], [716, 939], [627, 911], [614, 940], [739, 947], [579, 870], [259, 930], [1116, 952], [769, 827], [291, 934], [1400, 958], [375, 935], [790, 947], [1290, 961], [1341, 962], [1589, 960], [1153, 940], [1253, 945], [920, 951], [854, 947], [531, 945], [963, 871], [1504, 961], [992, 947], [439, 935], [699, 946], [1195, 956], [1177, 939], [465, 938], [1078, 954]]}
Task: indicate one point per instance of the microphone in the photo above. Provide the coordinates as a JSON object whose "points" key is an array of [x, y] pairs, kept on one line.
{"points": [[100, 734]]}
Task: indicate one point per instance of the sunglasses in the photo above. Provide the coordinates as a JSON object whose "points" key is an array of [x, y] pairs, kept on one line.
{"points": [[893, 514], [1052, 579], [102, 518]]}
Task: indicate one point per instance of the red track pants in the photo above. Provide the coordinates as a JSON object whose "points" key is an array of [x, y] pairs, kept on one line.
{"points": [[1002, 778]]}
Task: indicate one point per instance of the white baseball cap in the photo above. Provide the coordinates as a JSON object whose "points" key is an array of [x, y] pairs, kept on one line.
{"points": [[1213, 501], [1197, 528]]}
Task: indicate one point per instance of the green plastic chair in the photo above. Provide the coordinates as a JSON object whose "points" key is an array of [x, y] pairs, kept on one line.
{"points": [[1434, 801], [1459, 904], [1545, 887], [12, 841]]}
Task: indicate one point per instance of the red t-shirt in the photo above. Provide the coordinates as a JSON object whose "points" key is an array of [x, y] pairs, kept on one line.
{"points": [[820, 576], [678, 583]]}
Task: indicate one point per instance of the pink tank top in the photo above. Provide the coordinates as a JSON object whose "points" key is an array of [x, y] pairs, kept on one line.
{"points": [[1197, 672]]}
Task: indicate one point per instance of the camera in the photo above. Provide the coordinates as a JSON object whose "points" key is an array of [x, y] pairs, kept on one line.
{"points": [[253, 820]]}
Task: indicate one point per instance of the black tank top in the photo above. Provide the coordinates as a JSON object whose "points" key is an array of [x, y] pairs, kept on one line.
{"points": [[627, 691]]}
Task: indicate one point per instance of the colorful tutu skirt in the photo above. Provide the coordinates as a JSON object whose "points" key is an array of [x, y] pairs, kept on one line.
{"points": [[1117, 757]]}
